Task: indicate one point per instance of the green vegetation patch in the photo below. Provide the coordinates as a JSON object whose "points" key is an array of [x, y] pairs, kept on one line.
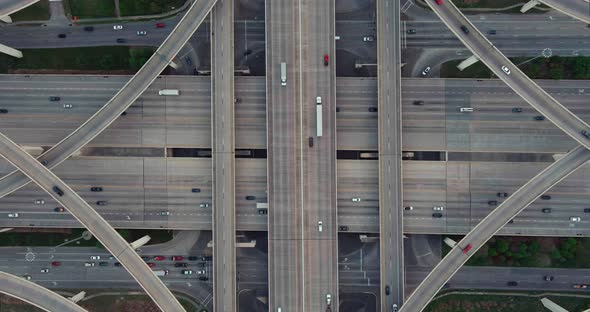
{"points": [[90, 58], [125, 302], [44, 239], [148, 7], [555, 67], [36, 12], [522, 251], [91, 8], [502, 303]]}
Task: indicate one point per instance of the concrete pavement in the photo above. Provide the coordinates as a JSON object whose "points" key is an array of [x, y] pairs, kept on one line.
{"points": [[36, 295], [579, 9], [109, 238], [10, 6]]}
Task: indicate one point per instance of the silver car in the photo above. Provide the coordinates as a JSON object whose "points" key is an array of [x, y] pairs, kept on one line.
{"points": [[506, 70], [117, 27], [426, 71], [141, 32], [39, 201]]}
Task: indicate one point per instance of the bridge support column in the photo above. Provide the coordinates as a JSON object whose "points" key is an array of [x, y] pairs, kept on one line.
{"points": [[529, 5], [10, 51]]}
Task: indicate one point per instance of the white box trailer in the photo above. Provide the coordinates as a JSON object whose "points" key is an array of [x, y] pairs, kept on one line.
{"points": [[169, 92]]}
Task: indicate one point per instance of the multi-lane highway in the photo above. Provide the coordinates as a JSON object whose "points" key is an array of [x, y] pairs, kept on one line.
{"points": [[98, 226], [36, 295], [390, 150], [284, 149], [223, 154], [318, 102], [122, 100]]}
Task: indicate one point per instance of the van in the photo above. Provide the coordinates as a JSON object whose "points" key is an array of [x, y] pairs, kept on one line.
{"points": [[283, 74], [58, 191], [310, 141]]}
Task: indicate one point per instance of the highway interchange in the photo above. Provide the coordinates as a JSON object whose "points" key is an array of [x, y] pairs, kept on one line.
{"points": [[460, 133]]}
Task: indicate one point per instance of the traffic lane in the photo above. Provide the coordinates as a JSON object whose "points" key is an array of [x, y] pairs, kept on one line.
{"points": [[93, 222], [493, 222], [513, 76], [123, 99]]}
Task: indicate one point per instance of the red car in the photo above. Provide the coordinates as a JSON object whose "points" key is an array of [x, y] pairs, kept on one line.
{"points": [[151, 264], [177, 258], [326, 59], [59, 209], [159, 258], [160, 25], [55, 263], [439, 2], [467, 248]]}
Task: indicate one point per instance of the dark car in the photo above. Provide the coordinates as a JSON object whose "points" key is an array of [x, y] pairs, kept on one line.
{"points": [[61, 36], [54, 98], [121, 40], [418, 103], [262, 211], [373, 109], [546, 197], [387, 290], [124, 114], [3, 111], [343, 228], [104, 263], [512, 283], [493, 202], [181, 265], [206, 258], [59, 209], [548, 210], [58, 191], [44, 162], [89, 28], [250, 197], [446, 285], [193, 258], [203, 278], [517, 110], [117, 264], [464, 29], [337, 109], [411, 31], [160, 25], [196, 190], [310, 141], [586, 210], [491, 32], [96, 189], [539, 118], [144, 258], [511, 221], [201, 265], [548, 278], [102, 202], [502, 194], [585, 134], [437, 215]]}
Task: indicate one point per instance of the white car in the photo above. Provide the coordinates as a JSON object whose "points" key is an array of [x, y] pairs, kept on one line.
{"points": [[46, 270], [318, 100], [141, 32], [39, 201], [426, 71], [187, 272], [27, 277], [409, 208], [394, 308], [13, 215], [201, 272], [117, 27], [320, 226], [368, 39], [89, 264], [438, 208], [506, 70], [575, 219], [356, 199], [68, 106], [328, 299], [204, 205], [94, 257], [164, 213]]}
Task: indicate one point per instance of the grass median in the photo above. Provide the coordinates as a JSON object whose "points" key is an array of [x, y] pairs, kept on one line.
{"points": [[36, 12], [148, 7], [112, 59], [90, 8]]}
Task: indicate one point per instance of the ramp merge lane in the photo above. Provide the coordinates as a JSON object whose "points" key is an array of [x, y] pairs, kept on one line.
{"points": [[499, 64], [122, 100], [98, 226], [36, 295]]}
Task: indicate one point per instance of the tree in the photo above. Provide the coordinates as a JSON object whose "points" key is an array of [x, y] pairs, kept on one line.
{"points": [[492, 252], [555, 254], [502, 246]]}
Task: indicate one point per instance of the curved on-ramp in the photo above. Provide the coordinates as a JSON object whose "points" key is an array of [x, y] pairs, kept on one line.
{"points": [[36, 295], [8, 7], [491, 224], [120, 101], [98, 226], [578, 9]]}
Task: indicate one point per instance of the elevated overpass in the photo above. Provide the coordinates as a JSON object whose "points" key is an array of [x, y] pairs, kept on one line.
{"points": [[36, 295], [98, 226], [578, 9], [122, 100]]}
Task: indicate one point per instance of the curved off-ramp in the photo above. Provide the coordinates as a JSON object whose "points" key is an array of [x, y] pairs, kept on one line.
{"points": [[93, 221], [8, 7], [36, 295], [578, 9], [106, 115]]}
